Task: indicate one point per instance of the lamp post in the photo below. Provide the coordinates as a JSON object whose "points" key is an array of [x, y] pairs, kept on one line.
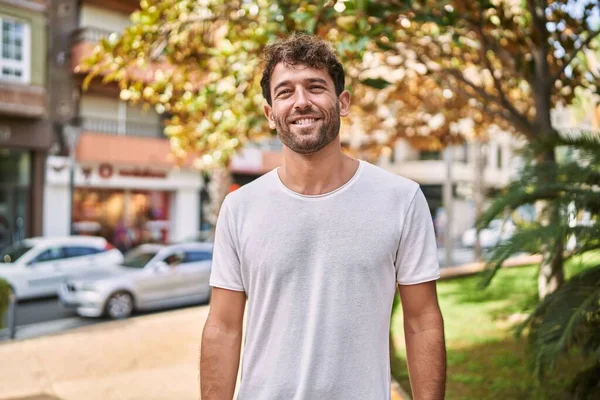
{"points": [[72, 135], [448, 205]]}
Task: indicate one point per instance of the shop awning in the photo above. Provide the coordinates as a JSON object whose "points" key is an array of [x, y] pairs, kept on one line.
{"points": [[125, 150], [96, 148]]}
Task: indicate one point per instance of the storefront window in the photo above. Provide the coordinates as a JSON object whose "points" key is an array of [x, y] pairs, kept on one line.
{"points": [[125, 218], [14, 167], [14, 195]]}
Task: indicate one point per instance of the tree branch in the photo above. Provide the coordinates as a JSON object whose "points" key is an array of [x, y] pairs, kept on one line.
{"points": [[576, 51], [517, 119], [516, 115]]}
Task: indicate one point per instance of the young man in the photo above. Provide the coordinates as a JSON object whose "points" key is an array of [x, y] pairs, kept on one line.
{"points": [[317, 248]]}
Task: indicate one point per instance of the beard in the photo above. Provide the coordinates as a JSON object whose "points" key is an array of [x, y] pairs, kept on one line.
{"points": [[311, 139]]}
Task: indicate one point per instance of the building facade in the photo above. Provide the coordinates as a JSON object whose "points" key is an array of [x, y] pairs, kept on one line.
{"points": [[115, 176], [430, 170], [25, 129]]}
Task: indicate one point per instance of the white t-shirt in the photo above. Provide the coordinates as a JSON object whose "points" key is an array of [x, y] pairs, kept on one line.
{"points": [[320, 274]]}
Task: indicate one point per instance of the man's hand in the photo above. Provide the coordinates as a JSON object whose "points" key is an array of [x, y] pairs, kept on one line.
{"points": [[424, 334], [221, 343]]}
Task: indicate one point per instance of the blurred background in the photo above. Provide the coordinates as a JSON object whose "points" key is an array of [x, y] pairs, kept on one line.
{"points": [[130, 122]]}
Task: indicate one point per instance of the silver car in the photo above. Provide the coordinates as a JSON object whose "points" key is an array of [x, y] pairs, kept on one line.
{"points": [[150, 277], [36, 267]]}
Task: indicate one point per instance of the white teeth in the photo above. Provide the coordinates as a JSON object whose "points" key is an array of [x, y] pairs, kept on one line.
{"points": [[304, 121]]}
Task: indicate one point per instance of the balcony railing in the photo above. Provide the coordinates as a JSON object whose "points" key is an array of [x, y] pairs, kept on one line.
{"points": [[120, 128], [35, 5], [90, 34], [25, 100]]}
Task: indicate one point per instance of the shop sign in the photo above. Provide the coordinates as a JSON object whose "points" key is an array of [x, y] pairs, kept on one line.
{"points": [[106, 171], [142, 173]]}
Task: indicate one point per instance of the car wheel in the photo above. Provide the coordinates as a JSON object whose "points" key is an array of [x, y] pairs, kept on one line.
{"points": [[119, 305]]}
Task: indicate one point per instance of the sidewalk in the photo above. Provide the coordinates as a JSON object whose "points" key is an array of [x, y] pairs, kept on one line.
{"points": [[148, 357], [151, 357]]}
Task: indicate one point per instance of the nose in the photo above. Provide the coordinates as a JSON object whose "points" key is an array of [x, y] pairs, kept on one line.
{"points": [[302, 101]]}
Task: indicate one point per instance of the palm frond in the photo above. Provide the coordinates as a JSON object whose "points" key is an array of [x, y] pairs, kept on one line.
{"points": [[526, 240], [565, 320]]}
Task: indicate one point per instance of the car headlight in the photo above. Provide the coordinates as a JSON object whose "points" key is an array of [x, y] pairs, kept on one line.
{"points": [[88, 287]]}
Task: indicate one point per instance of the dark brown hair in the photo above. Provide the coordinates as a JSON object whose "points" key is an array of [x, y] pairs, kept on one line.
{"points": [[301, 49]]}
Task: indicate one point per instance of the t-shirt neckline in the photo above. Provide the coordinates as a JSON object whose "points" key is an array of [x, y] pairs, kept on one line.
{"points": [[322, 196]]}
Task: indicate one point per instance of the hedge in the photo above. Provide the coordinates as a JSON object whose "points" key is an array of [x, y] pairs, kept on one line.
{"points": [[5, 290]]}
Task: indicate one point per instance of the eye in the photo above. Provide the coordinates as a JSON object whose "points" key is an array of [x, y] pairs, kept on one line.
{"points": [[283, 92], [316, 88]]}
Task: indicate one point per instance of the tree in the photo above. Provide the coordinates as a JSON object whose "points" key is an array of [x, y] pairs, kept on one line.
{"points": [[568, 318], [510, 61], [435, 64]]}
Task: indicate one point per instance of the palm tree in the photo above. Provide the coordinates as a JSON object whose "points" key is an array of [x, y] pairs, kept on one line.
{"points": [[568, 318]]}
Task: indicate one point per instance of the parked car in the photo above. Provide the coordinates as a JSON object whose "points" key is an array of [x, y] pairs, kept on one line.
{"points": [[496, 232], [36, 267], [151, 276]]}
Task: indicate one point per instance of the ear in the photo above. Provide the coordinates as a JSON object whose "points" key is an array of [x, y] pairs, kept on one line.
{"points": [[269, 114], [344, 99]]}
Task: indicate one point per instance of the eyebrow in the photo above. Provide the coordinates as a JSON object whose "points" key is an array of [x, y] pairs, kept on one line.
{"points": [[307, 80]]}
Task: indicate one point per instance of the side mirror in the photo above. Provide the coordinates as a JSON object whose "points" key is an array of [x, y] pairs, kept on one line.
{"points": [[161, 266]]}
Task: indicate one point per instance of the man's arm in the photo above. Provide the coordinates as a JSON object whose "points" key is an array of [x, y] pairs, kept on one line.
{"points": [[221, 343], [424, 335]]}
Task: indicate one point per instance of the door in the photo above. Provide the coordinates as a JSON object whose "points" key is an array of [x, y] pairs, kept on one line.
{"points": [[80, 261], [45, 272], [160, 283], [195, 273]]}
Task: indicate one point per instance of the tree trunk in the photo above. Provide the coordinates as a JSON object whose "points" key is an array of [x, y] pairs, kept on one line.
{"points": [[551, 273], [218, 187], [478, 195]]}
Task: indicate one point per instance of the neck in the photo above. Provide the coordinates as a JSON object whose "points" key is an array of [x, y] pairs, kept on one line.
{"points": [[317, 173]]}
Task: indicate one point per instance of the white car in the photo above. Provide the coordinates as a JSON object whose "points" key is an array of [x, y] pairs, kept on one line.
{"points": [[36, 267], [496, 232], [151, 276]]}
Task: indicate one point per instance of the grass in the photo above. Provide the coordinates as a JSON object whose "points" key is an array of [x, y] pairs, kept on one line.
{"points": [[485, 360]]}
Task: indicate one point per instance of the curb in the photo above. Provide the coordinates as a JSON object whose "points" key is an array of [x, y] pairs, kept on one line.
{"points": [[476, 267]]}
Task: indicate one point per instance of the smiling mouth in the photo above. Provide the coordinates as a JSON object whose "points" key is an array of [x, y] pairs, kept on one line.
{"points": [[304, 121]]}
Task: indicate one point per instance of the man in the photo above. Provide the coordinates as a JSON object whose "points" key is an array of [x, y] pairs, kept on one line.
{"points": [[316, 248]]}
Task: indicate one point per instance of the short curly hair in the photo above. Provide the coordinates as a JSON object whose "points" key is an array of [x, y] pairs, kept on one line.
{"points": [[302, 49]]}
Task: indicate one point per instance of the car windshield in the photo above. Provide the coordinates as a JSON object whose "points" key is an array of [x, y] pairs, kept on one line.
{"points": [[138, 258], [13, 253]]}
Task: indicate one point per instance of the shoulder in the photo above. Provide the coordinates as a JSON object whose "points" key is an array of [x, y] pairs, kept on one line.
{"points": [[252, 193]]}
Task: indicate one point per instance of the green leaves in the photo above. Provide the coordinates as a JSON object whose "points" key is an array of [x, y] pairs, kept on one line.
{"points": [[378, 83], [465, 60], [565, 320]]}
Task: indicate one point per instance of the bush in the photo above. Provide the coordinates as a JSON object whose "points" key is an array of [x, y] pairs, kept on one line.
{"points": [[5, 290]]}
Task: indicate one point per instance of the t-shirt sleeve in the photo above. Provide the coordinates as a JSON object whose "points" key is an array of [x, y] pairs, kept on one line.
{"points": [[225, 271], [417, 259]]}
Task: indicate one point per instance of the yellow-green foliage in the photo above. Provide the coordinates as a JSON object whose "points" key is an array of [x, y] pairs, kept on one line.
{"points": [[4, 293]]}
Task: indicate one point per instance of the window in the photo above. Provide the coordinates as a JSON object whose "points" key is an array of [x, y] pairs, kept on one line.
{"points": [[14, 50], [196, 256], [12, 254], [52, 254], [138, 258], [430, 155], [174, 259], [80, 251], [499, 158]]}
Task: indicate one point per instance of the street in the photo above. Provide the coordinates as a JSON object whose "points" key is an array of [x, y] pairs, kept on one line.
{"points": [[42, 310], [48, 309], [46, 316]]}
